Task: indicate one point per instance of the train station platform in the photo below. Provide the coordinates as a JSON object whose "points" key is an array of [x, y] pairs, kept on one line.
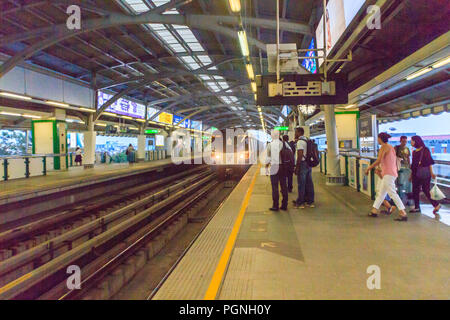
{"points": [[248, 252], [75, 177]]}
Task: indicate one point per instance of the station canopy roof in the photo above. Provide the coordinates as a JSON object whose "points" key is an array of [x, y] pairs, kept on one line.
{"points": [[184, 56]]}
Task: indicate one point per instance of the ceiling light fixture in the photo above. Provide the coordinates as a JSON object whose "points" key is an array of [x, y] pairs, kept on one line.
{"points": [[10, 114], [58, 104], [441, 63], [419, 73], [16, 96], [31, 116], [235, 5], [243, 42]]}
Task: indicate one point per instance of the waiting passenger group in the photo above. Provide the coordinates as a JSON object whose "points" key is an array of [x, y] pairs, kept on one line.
{"points": [[284, 159], [393, 166]]}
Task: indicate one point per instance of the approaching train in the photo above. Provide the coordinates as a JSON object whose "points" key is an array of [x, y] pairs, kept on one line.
{"points": [[233, 150]]}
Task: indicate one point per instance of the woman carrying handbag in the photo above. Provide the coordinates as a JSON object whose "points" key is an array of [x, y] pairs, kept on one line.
{"points": [[422, 173]]}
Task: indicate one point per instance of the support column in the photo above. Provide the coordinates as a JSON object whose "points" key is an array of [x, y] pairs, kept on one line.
{"points": [[90, 137], [301, 119], [141, 145], [334, 176]]}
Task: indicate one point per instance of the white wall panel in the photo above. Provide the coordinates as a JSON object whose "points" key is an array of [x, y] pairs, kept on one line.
{"points": [[43, 86], [77, 95], [14, 81]]}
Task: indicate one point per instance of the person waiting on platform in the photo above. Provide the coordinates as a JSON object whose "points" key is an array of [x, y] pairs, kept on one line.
{"points": [[78, 157], [421, 173], [278, 174], [130, 153], [389, 172], [290, 175], [404, 170], [303, 172]]}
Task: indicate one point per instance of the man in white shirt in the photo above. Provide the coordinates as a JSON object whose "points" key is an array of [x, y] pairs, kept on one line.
{"points": [[277, 174], [303, 172]]}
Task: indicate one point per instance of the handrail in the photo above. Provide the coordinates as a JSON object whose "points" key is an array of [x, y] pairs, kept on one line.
{"points": [[36, 156]]}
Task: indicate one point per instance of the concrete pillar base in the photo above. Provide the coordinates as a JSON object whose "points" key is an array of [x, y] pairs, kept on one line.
{"points": [[88, 166], [140, 160], [335, 180]]}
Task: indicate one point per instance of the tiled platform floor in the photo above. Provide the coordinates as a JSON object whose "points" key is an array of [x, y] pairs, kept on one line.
{"points": [[320, 253]]}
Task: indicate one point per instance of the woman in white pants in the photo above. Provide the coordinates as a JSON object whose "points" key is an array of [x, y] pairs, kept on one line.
{"points": [[387, 159]]}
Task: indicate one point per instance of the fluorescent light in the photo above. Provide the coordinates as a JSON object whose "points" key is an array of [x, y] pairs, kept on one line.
{"points": [[253, 84], [110, 114], [243, 42], [441, 63], [58, 104], [251, 74], [419, 73], [235, 5], [88, 110], [12, 95], [31, 116], [127, 117], [10, 114], [140, 120], [101, 124], [350, 106]]}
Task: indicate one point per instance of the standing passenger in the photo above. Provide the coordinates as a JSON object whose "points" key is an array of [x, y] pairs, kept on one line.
{"points": [[421, 173], [130, 153], [277, 174], [303, 172], [78, 157], [290, 175], [388, 161]]}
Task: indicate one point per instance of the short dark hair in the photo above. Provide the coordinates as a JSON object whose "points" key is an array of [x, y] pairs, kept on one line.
{"points": [[286, 138], [384, 137], [300, 130], [403, 137]]}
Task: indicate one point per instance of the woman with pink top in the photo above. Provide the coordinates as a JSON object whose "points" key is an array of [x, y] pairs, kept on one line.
{"points": [[387, 159]]}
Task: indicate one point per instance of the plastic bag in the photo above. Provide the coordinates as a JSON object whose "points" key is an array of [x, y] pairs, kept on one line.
{"points": [[436, 193]]}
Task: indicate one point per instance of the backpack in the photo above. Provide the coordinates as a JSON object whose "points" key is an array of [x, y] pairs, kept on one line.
{"points": [[287, 160], [312, 153]]}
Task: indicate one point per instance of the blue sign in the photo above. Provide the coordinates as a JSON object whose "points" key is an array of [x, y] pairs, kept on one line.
{"points": [[185, 124], [310, 64]]}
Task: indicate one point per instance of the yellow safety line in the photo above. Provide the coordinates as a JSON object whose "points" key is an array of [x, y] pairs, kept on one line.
{"points": [[216, 280]]}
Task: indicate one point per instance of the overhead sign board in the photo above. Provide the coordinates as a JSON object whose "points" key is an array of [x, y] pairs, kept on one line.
{"points": [[152, 131], [298, 89], [122, 106], [165, 117], [185, 124], [281, 128]]}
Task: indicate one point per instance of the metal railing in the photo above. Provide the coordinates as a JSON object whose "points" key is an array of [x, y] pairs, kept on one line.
{"points": [[32, 165], [354, 165]]}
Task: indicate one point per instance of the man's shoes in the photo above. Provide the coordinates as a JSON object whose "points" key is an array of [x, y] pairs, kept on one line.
{"points": [[414, 210], [402, 219], [274, 209], [283, 208], [311, 205]]}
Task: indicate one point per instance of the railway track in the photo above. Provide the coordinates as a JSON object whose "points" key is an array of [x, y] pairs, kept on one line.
{"points": [[98, 237]]}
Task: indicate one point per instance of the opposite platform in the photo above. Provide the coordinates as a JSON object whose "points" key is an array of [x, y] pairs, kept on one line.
{"points": [[56, 181], [320, 253]]}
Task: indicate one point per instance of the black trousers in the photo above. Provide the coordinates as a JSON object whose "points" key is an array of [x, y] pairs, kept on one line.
{"points": [[425, 186], [280, 179], [290, 179]]}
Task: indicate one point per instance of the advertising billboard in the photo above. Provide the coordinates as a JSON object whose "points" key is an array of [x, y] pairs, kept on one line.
{"points": [[339, 14], [165, 117], [185, 124], [310, 64], [151, 112], [122, 106], [159, 141], [196, 125]]}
